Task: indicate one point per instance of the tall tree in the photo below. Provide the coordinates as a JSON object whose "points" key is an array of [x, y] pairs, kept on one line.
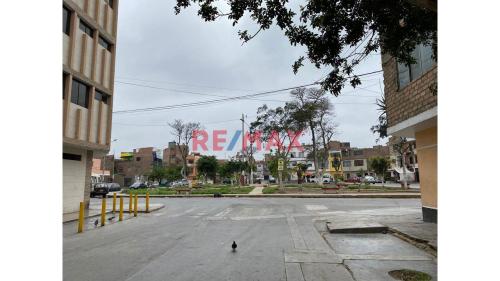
{"points": [[184, 133], [173, 173], [306, 107], [280, 128], [337, 34], [158, 173], [207, 166], [379, 165]]}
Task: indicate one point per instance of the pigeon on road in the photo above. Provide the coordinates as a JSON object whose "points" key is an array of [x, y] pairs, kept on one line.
{"points": [[234, 246]]}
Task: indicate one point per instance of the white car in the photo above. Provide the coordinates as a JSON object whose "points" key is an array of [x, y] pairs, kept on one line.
{"points": [[370, 179], [327, 179]]}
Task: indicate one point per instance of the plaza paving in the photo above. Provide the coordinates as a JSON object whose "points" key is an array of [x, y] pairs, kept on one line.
{"points": [[278, 239]]}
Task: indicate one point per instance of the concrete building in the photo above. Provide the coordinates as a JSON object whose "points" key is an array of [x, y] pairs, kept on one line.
{"points": [[89, 47], [172, 155], [411, 101], [135, 166], [354, 161]]}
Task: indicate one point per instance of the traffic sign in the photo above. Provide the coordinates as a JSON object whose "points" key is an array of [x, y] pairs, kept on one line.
{"points": [[281, 164]]}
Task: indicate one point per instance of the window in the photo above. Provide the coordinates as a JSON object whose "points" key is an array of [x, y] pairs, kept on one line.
{"points": [[66, 20], [69, 156], [345, 153], [100, 96], [80, 93], [109, 2], [347, 163], [86, 28], [424, 62], [358, 152], [105, 44], [358, 163]]}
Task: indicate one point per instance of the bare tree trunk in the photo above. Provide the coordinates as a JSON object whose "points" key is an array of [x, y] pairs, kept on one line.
{"points": [[315, 155], [405, 184]]}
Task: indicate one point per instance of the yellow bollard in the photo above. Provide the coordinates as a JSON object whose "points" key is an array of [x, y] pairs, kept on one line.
{"points": [[81, 218], [103, 210], [135, 206], [130, 203], [147, 202], [121, 208], [114, 202]]}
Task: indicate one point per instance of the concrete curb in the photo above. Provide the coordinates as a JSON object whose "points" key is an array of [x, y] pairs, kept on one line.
{"points": [[419, 242], [336, 195]]}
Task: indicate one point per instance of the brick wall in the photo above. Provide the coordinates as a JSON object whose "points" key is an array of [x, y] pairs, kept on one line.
{"points": [[411, 100]]}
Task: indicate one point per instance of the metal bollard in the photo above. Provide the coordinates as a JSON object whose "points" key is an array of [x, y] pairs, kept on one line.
{"points": [[103, 210], [135, 206], [147, 202], [81, 217], [121, 208], [130, 203], [114, 202]]}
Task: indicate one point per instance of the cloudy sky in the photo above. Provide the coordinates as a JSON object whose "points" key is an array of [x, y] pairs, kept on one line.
{"points": [[161, 56]]}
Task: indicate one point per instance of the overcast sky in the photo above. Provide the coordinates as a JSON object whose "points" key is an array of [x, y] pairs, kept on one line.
{"points": [[157, 48]]}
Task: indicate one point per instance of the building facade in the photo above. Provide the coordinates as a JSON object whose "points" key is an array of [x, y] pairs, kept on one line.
{"points": [[89, 47], [135, 166], [354, 161], [172, 155], [411, 101]]}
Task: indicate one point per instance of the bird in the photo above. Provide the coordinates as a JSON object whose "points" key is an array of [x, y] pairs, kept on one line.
{"points": [[111, 218], [234, 246], [96, 223]]}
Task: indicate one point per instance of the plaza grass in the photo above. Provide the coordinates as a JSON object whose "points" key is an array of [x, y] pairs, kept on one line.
{"points": [[210, 189], [270, 189], [152, 191], [222, 190]]}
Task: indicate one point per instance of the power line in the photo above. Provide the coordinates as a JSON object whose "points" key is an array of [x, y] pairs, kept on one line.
{"points": [[218, 100], [186, 85], [210, 101], [181, 91]]}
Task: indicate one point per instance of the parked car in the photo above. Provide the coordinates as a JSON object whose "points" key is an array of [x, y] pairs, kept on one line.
{"points": [[354, 179], [100, 189], [226, 181], [327, 179], [180, 183], [272, 179], [113, 187], [138, 185], [371, 179]]}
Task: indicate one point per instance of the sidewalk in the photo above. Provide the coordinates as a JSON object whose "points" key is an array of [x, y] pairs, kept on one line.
{"points": [[257, 190], [408, 227]]}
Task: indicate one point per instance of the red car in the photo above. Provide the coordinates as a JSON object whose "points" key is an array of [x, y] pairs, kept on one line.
{"points": [[353, 179]]}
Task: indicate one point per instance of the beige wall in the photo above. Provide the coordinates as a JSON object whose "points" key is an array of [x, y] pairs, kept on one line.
{"points": [[87, 131], [427, 158], [73, 180]]}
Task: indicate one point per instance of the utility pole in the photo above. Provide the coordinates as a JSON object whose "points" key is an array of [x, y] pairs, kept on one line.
{"points": [[243, 142]]}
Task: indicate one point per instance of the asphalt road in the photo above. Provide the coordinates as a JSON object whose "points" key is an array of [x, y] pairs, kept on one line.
{"points": [[190, 239]]}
